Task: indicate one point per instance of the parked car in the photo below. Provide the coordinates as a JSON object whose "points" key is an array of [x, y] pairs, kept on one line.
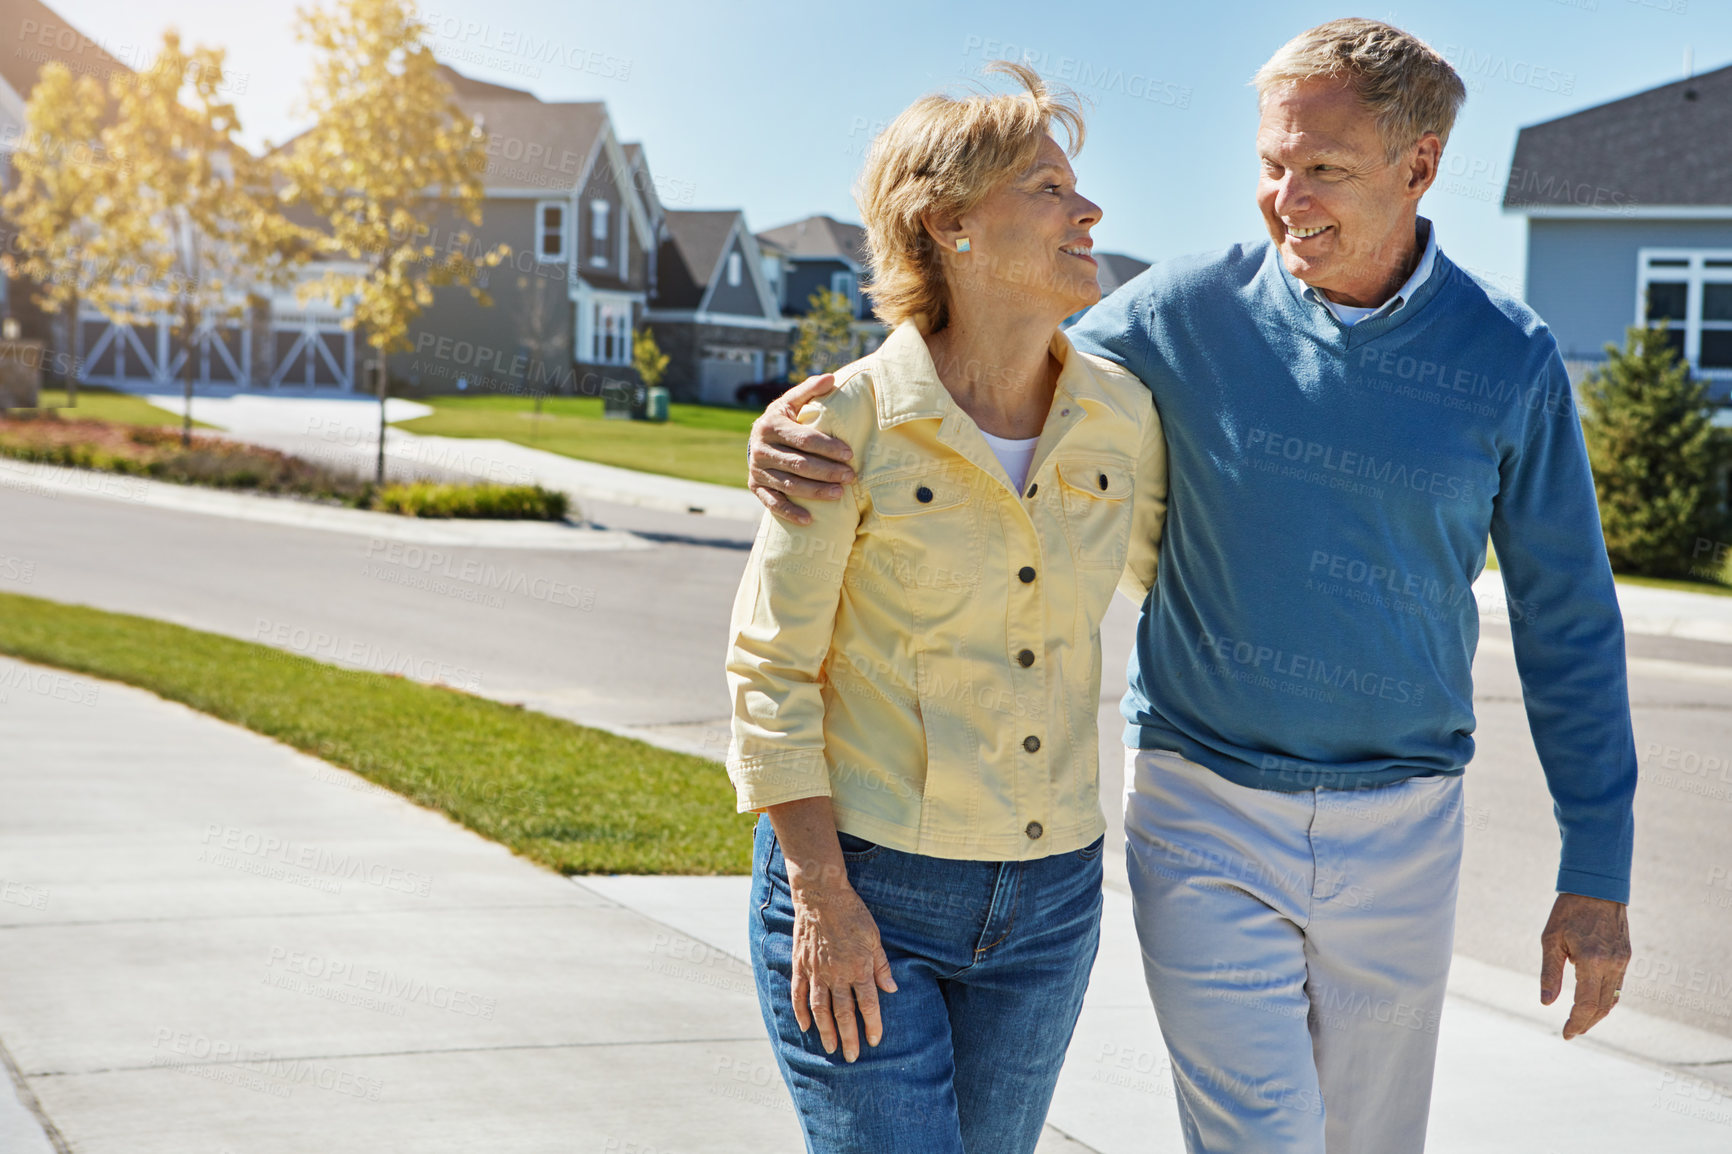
{"points": [[759, 394]]}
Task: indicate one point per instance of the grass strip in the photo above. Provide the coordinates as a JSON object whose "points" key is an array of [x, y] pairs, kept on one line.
{"points": [[101, 404], [698, 442], [574, 799]]}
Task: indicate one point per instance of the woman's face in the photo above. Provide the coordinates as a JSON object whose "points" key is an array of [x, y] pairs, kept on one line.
{"points": [[1029, 246]]}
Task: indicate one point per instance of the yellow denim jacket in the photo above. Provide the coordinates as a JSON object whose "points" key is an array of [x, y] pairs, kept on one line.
{"points": [[927, 651]]}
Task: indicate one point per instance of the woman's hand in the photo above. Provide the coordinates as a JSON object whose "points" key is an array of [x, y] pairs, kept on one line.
{"points": [[839, 967], [839, 963]]}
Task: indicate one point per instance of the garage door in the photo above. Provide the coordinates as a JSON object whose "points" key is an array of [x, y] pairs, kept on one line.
{"points": [[722, 370]]}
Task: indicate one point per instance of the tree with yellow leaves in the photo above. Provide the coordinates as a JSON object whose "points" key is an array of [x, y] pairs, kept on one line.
{"points": [[390, 150], [190, 209], [63, 181]]}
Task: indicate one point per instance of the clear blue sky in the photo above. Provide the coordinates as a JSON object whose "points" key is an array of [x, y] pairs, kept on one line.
{"points": [[767, 106]]}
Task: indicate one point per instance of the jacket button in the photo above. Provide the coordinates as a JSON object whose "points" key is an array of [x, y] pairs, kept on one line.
{"points": [[1103, 482], [1025, 658], [1033, 489], [1031, 743], [923, 494], [1027, 574], [1034, 830]]}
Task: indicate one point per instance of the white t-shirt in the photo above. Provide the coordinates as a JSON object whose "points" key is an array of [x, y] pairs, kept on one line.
{"points": [[1014, 455]]}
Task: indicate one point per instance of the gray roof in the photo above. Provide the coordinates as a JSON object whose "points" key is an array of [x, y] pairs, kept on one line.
{"points": [[701, 237], [469, 88], [637, 165], [1670, 145], [534, 144], [819, 238], [1117, 268]]}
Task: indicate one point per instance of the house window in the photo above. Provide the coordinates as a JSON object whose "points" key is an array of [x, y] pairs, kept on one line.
{"points": [[610, 333], [772, 267], [733, 270], [598, 210], [550, 230], [1691, 290], [848, 285]]}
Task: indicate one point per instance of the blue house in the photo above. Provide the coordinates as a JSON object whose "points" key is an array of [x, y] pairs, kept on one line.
{"points": [[1629, 220]]}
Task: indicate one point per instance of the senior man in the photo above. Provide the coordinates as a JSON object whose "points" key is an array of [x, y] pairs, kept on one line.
{"points": [[1349, 416]]}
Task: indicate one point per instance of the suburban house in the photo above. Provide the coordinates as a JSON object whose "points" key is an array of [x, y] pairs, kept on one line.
{"points": [[573, 205], [267, 341], [1629, 222], [712, 311], [821, 252]]}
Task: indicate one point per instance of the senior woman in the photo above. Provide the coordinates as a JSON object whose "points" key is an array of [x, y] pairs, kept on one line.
{"points": [[916, 671]]}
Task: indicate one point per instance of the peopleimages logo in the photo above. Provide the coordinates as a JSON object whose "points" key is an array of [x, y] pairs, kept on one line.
{"points": [[1298, 670], [1357, 465]]}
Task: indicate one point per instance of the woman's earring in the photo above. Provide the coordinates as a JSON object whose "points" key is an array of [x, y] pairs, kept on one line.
{"points": [[961, 244]]}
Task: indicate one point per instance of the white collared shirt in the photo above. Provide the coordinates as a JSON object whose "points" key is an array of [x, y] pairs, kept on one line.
{"points": [[1353, 314]]}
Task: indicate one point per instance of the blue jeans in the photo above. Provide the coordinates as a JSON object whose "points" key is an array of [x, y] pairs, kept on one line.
{"points": [[991, 960]]}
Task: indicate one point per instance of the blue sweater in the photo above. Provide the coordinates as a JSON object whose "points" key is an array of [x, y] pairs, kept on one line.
{"points": [[1332, 489]]}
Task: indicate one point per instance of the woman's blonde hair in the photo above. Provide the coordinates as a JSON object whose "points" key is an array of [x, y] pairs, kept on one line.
{"points": [[942, 157], [1401, 80]]}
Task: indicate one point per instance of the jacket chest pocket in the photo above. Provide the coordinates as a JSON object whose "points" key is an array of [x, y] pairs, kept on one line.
{"points": [[925, 533], [1095, 499]]}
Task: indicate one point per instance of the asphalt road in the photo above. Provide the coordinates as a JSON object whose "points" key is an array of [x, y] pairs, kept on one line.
{"points": [[633, 641]]}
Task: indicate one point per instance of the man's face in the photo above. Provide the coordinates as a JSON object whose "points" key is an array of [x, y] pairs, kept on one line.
{"points": [[1340, 212]]}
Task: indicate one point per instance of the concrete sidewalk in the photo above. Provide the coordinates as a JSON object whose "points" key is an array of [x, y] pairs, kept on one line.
{"points": [[210, 942]]}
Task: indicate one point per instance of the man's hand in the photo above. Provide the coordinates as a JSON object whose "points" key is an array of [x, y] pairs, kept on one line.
{"points": [[787, 459], [1595, 935]]}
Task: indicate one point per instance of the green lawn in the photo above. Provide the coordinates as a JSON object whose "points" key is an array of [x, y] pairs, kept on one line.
{"points": [[106, 405], [576, 800], [698, 442]]}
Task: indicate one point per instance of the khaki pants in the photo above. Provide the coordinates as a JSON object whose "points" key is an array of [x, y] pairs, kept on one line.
{"points": [[1296, 947]]}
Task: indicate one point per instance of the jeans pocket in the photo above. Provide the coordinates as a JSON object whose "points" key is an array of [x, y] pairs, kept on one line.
{"points": [[857, 849], [1092, 851]]}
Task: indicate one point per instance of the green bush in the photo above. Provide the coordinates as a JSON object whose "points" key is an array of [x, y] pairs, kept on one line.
{"points": [[498, 502], [45, 438], [1656, 457]]}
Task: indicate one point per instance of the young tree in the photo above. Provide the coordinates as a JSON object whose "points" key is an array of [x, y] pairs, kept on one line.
{"points": [[647, 358], [63, 182], [187, 205], [390, 150], [542, 332], [825, 340], [1655, 455]]}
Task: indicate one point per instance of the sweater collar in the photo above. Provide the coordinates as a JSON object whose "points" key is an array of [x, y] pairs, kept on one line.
{"points": [[1427, 237], [1409, 302]]}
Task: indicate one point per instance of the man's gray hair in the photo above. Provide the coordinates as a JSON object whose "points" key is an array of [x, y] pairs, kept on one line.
{"points": [[1400, 79]]}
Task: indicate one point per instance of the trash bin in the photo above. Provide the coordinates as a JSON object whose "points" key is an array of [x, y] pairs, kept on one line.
{"points": [[656, 404], [619, 400]]}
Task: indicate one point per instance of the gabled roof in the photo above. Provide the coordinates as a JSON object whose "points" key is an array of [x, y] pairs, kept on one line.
{"points": [[469, 88], [819, 238], [1668, 146], [27, 53], [637, 164], [1117, 268], [701, 238], [532, 144]]}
